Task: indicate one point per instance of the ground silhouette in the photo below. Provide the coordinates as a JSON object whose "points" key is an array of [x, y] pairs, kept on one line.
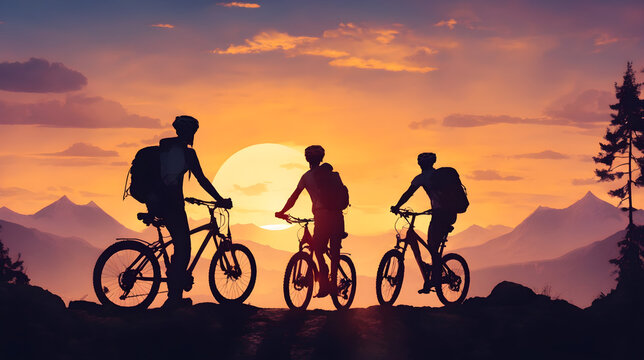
{"points": [[512, 321]]}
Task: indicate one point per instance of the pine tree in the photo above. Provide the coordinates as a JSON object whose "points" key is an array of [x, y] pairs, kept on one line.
{"points": [[10, 271], [623, 156]]}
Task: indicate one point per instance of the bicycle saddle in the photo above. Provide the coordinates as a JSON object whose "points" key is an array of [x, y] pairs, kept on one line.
{"points": [[149, 219]]}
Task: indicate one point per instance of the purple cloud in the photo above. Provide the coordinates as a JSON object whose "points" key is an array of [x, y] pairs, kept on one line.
{"points": [[492, 175], [546, 154], [422, 124], [39, 76], [84, 150], [588, 109], [77, 111]]}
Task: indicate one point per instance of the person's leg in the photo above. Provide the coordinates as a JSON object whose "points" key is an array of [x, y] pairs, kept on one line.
{"points": [[319, 247], [438, 229], [177, 225]]}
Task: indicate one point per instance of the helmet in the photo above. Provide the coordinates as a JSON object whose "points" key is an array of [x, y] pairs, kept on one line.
{"points": [[314, 153], [186, 127], [426, 159]]}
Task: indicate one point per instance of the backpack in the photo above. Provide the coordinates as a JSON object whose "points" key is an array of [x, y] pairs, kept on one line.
{"points": [[144, 174], [334, 195], [453, 194]]}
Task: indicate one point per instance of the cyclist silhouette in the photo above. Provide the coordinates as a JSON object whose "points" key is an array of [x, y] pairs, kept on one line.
{"points": [[167, 202], [329, 223], [442, 218]]}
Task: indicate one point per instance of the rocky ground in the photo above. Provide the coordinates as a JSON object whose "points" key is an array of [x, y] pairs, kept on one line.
{"points": [[512, 322]]}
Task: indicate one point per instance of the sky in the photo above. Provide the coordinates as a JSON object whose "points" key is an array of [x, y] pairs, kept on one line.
{"points": [[513, 94]]}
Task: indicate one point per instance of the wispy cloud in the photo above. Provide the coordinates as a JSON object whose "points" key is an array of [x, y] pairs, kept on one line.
{"points": [[84, 150], [546, 154], [252, 190], [587, 181], [290, 166], [238, 4], [350, 45], [267, 41], [76, 111], [605, 39], [361, 63], [588, 109], [492, 175], [163, 26], [422, 124], [448, 23]]}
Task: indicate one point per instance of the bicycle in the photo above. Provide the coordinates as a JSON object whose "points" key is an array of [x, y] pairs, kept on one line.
{"points": [[455, 274], [127, 274], [302, 273]]}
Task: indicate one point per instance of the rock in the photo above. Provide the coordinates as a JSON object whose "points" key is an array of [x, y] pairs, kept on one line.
{"points": [[509, 293], [29, 298]]}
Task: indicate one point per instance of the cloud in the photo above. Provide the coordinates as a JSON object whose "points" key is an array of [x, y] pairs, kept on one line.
{"points": [[291, 166], [163, 26], [449, 23], [267, 41], [84, 150], [156, 138], [128, 144], [605, 39], [469, 120], [492, 175], [546, 154], [77, 111], [422, 124], [240, 5], [252, 190], [39, 76], [89, 194], [588, 181], [360, 63], [588, 109], [392, 48]]}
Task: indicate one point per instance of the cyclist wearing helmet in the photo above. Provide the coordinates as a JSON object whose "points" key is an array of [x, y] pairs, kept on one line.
{"points": [[329, 224], [442, 219], [176, 158]]}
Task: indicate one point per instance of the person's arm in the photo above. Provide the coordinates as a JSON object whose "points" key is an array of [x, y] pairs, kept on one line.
{"points": [[293, 198], [195, 168], [406, 196]]}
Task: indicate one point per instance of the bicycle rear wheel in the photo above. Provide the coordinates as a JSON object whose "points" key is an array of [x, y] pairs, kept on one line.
{"points": [[345, 283], [232, 274], [127, 275], [455, 280], [299, 281], [389, 278]]}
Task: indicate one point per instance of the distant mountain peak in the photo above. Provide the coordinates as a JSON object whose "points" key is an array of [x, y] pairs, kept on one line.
{"points": [[92, 204], [590, 200], [64, 200]]}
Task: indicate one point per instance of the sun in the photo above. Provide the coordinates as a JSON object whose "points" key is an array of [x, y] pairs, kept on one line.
{"points": [[259, 179]]}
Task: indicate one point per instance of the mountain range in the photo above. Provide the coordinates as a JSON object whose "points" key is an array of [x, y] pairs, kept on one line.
{"points": [[564, 251]]}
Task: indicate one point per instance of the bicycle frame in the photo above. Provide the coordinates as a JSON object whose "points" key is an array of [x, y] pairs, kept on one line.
{"points": [[412, 235], [159, 247]]}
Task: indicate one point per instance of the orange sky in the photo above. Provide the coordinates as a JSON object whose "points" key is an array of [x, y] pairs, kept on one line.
{"points": [[517, 104]]}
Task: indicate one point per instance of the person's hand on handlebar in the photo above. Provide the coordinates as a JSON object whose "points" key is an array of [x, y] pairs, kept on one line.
{"points": [[395, 209], [281, 215], [225, 203]]}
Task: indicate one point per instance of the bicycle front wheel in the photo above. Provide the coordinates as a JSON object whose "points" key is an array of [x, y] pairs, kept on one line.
{"points": [[299, 281], [455, 280], [127, 275], [232, 274], [345, 283], [389, 278]]}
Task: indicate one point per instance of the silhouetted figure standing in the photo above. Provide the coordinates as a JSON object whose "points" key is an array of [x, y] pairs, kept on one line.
{"points": [[176, 158], [442, 217], [329, 220]]}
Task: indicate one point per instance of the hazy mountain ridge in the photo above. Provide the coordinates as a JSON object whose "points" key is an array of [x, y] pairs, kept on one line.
{"points": [[61, 264], [549, 233], [66, 218]]}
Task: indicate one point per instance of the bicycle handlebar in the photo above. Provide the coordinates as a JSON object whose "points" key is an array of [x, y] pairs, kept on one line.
{"points": [[225, 204], [292, 219], [406, 213]]}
